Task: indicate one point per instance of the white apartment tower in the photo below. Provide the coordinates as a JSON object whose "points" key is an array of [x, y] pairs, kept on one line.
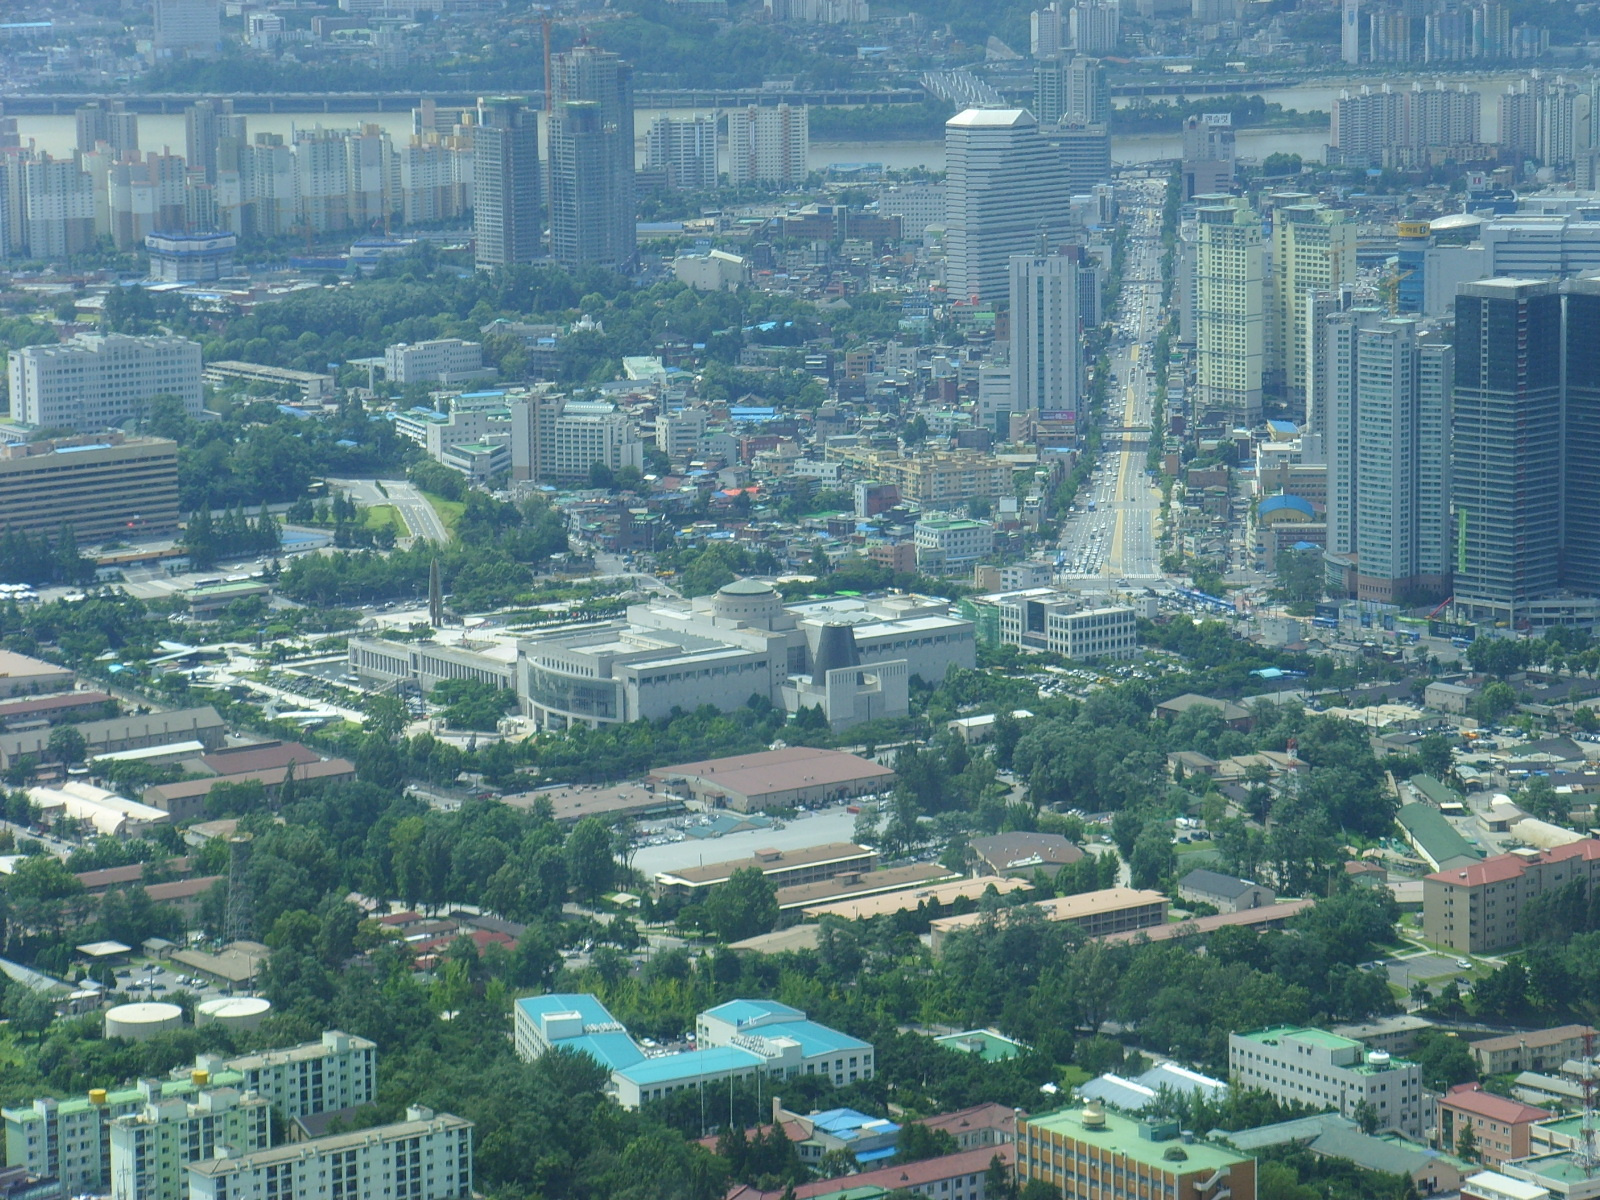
{"points": [[1389, 399], [428, 1156], [339, 1071], [1046, 341], [1005, 188], [97, 381], [1314, 248], [1095, 26], [687, 148], [768, 145], [1230, 310], [553, 438]]}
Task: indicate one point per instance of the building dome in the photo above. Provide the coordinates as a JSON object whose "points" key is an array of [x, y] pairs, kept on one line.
{"points": [[751, 601]]}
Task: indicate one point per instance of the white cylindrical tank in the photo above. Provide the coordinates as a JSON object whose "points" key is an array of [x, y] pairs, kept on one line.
{"points": [[140, 1021], [233, 1012]]}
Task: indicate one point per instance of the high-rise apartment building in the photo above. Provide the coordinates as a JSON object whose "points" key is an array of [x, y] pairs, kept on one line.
{"points": [[768, 145], [1507, 447], [592, 220], [1388, 453], [56, 209], [505, 182], [1072, 87], [1313, 247], [114, 125], [339, 1070], [428, 1156], [145, 197], [1047, 31], [1046, 337], [152, 1148], [1376, 127], [96, 381], [1095, 26], [1477, 909], [1005, 187], [1230, 310], [187, 27], [686, 147]]}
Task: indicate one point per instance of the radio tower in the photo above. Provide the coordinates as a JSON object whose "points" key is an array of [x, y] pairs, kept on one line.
{"points": [[1586, 1155], [240, 918]]}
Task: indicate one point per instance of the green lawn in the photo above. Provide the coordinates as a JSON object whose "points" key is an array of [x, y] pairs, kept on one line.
{"points": [[381, 516], [449, 510]]}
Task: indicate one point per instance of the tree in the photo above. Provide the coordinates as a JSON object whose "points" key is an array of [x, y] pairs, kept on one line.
{"points": [[997, 1182], [1433, 752], [747, 904], [1494, 702], [591, 859], [1445, 1060], [1467, 1143], [28, 1011], [1038, 1189], [1154, 859], [917, 1142], [67, 744], [1300, 575]]}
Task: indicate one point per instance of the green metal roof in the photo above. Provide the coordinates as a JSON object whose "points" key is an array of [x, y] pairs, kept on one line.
{"points": [[1126, 1137], [1436, 836]]}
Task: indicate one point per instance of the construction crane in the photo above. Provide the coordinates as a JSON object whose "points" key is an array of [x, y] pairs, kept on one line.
{"points": [[1443, 604]]}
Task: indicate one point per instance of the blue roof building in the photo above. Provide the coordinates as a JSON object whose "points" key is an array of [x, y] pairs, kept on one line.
{"points": [[740, 1039]]}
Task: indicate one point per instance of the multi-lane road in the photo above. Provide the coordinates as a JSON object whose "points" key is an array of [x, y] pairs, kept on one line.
{"points": [[1119, 537], [413, 506]]}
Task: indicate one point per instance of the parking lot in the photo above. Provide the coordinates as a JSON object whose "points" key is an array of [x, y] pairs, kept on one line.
{"points": [[1424, 967], [153, 981]]}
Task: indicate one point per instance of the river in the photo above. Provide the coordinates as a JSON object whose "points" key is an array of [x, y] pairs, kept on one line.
{"points": [[57, 133]]}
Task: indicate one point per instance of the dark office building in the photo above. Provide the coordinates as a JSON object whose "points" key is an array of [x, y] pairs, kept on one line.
{"points": [[505, 182], [591, 160], [1507, 448]]}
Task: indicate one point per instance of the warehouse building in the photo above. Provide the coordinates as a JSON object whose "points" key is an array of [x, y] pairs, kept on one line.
{"points": [[785, 868], [1094, 914], [786, 778]]}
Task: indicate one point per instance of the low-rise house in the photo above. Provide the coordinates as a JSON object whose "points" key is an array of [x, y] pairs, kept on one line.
{"points": [[1224, 892], [1537, 1050], [1500, 1127], [1021, 853]]}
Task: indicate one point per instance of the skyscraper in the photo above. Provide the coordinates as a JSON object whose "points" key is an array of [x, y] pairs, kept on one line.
{"points": [[1506, 454], [505, 182], [1004, 187], [1350, 32], [1230, 310], [115, 126], [1314, 247], [591, 160], [1581, 486], [1388, 462], [1046, 335]]}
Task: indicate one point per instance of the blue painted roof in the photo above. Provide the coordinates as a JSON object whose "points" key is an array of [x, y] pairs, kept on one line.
{"points": [[814, 1039], [692, 1064], [1274, 504], [880, 1153], [742, 1012], [847, 1123], [1283, 426], [614, 1050]]}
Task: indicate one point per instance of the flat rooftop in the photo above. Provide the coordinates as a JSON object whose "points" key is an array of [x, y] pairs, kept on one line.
{"points": [[788, 769], [864, 908], [1124, 1136], [843, 853]]}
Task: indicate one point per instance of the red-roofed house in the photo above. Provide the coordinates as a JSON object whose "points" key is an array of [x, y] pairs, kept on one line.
{"points": [[984, 1125], [949, 1177], [1476, 909], [1500, 1126]]}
